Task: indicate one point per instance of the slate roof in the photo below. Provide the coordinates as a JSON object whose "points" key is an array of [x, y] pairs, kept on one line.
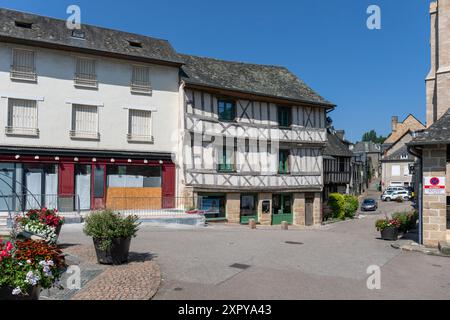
{"points": [[53, 33], [366, 147], [335, 147], [438, 133], [264, 80], [397, 155]]}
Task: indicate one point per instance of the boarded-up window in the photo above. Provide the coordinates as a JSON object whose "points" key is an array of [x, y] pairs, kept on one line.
{"points": [[22, 117], [140, 125], [396, 171], [140, 82], [85, 74], [23, 65], [84, 121]]}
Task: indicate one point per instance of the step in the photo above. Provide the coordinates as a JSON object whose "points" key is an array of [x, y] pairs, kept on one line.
{"points": [[444, 248]]}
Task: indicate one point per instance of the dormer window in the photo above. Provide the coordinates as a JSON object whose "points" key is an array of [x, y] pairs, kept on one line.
{"points": [[76, 33], [23, 24], [135, 44]]}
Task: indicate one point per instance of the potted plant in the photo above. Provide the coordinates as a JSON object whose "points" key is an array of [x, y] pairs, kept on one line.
{"points": [[111, 233], [28, 266], [45, 224], [388, 228]]}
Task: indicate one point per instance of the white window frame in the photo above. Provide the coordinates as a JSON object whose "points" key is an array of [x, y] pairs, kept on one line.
{"points": [[132, 137], [84, 135], [140, 88], [84, 79], [12, 130], [23, 73]]}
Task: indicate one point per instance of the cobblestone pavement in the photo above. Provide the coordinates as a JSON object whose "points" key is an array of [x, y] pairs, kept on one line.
{"points": [[137, 280]]}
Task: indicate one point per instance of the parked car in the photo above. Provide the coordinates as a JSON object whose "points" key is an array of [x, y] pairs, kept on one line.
{"points": [[393, 189], [369, 205], [392, 196]]}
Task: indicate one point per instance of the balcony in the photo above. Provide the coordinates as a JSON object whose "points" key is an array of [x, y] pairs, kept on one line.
{"points": [[23, 73], [140, 138], [86, 81], [213, 127], [84, 135], [141, 88], [27, 132]]}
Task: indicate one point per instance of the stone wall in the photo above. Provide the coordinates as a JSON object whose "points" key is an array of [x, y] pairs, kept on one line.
{"points": [[264, 219], [434, 206]]}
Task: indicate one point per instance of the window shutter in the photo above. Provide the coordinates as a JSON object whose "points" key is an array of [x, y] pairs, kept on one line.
{"points": [[85, 72], [23, 65], [140, 123], [85, 119], [23, 114], [140, 81]]}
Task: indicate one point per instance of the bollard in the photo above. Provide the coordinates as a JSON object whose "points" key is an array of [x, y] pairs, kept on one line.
{"points": [[284, 225], [252, 224]]}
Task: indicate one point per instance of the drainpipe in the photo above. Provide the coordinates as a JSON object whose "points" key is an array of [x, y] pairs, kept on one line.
{"points": [[412, 151]]}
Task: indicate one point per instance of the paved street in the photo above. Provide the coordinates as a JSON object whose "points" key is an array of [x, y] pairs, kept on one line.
{"points": [[323, 263]]}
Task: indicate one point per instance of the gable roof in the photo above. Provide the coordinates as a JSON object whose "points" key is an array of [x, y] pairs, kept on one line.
{"points": [[397, 155], [336, 147], [411, 123], [366, 147], [53, 33], [263, 80], [438, 133]]}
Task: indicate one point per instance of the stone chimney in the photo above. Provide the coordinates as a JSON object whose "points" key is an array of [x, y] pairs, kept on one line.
{"points": [[340, 134], [394, 124]]}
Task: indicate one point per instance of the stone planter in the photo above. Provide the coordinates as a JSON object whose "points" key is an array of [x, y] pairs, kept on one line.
{"points": [[32, 294], [389, 234], [116, 255]]}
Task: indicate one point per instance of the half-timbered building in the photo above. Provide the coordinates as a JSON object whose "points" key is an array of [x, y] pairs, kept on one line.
{"points": [[337, 165], [253, 141]]}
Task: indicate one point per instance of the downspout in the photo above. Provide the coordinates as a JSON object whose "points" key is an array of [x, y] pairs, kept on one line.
{"points": [[419, 156]]}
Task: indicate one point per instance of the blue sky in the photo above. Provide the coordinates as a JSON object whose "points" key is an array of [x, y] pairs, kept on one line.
{"points": [[370, 74]]}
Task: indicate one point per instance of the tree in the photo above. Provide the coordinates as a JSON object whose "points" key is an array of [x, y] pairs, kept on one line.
{"points": [[372, 136]]}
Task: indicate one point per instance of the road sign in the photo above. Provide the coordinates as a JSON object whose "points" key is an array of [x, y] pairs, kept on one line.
{"points": [[435, 185]]}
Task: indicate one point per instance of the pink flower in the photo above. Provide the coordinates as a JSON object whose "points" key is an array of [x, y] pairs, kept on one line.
{"points": [[9, 246], [4, 254]]}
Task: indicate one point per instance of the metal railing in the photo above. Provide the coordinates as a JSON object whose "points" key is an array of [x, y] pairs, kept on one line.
{"points": [[24, 202], [152, 206], [23, 73]]}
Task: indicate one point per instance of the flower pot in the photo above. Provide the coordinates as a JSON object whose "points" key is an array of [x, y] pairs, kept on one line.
{"points": [[58, 229], [390, 234], [32, 294], [116, 255]]}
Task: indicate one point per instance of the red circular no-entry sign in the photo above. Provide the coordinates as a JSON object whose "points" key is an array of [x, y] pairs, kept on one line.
{"points": [[435, 181]]}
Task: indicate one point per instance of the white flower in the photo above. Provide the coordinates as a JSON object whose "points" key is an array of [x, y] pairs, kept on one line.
{"points": [[29, 261], [17, 291], [50, 263], [32, 278]]}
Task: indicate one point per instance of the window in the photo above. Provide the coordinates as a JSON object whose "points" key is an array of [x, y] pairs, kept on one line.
{"points": [[227, 110], [24, 25], [135, 44], [85, 75], [84, 122], [22, 117], [248, 207], [99, 182], [140, 126], [134, 177], [140, 82], [23, 65], [213, 206], [76, 33], [342, 165], [284, 117], [227, 157], [396, 170], [283, 167]]}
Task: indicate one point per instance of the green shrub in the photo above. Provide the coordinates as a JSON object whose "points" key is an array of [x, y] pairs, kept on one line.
{"points": [[408, 220], [351, 206], [107, 225], [336, 202]]}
